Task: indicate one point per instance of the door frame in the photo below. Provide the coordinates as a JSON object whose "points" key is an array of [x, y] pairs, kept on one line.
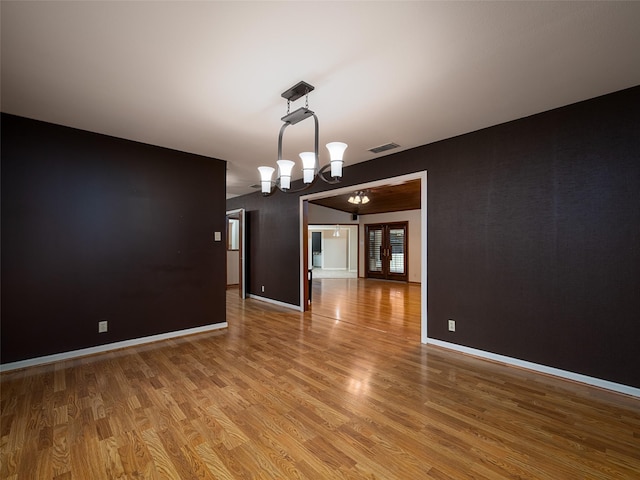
{"points": [[303, 209], [385, 228], [240, 214]]}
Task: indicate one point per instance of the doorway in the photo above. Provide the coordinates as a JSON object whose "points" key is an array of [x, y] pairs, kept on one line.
{"points": [[316, 249], [386, 251], [333, 250], [304, 238], [236, 244]]}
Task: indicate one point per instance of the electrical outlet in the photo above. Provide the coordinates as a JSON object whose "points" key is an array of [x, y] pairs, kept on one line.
{"points": [[452, 325], [262, 288], [103, 326]]}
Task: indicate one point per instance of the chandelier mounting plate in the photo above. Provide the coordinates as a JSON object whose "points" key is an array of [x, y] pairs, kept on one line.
{"points": [[297, 116], [297, 91]]}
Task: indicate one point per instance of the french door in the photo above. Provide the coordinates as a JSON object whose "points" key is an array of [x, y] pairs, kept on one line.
{"points": [[386, 251]]}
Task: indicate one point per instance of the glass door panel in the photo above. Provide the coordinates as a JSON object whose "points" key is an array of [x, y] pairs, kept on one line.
{"points": [[396, 242], [374, 249]]}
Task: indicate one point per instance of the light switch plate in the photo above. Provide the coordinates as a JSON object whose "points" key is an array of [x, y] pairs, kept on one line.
{"points": [[217, 236]]}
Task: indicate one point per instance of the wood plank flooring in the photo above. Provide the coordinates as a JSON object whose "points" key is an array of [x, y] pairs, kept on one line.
{"points": [[389, 307], [282, 394]]}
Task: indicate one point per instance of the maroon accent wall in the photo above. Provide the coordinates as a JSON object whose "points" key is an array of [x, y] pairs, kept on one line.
{"points": [[533, 236], [99, 228]]}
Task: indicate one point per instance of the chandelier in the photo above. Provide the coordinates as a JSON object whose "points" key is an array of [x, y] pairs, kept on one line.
{"points": [[311, 170], [359, 198]]}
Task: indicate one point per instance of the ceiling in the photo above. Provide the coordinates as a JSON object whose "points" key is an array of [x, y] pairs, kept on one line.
{"points": [[382, 199], [206, 77]]}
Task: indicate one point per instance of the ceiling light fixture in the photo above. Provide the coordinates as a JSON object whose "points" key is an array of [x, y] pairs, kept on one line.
{"points": [[359, 198], [311, 170]]}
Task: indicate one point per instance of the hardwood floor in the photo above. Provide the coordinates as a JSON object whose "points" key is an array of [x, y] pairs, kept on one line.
{"points": [[389, 307], [281, 394]]}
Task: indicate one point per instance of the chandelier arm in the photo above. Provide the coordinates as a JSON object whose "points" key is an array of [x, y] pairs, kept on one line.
{"points": [[315, 151], [330, 181], [282, 129], [320, 171], [306, 185], [276, 186], [315, 179], [276, 183]]}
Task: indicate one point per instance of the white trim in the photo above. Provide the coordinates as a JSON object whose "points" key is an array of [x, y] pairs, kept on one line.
{"points": [[243, 248], [536, 367], [378, 183], [57, 357], [423, 258], [275, 302], [304, 252]]}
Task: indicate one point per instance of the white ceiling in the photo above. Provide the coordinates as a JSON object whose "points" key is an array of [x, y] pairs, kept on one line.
{"points": [[206, 77]]}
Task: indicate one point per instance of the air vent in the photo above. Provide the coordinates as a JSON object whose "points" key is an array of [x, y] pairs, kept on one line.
{"points": [[384, 148]]}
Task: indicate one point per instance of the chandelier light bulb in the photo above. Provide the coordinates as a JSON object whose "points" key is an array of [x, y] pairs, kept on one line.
{"points": [[308, 166], [336, 152], [265, 178], [285, 166]]}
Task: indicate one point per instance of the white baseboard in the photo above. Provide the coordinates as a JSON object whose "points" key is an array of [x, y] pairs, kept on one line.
{"points": [[57, 357], [596, 382], [275, 302]]}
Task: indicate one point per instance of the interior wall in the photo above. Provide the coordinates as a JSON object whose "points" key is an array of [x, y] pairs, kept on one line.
{"points": [[233, 267], [320, 215], [98, 228], [533, 235], [336, 249], [272, 249], [354, 252]]}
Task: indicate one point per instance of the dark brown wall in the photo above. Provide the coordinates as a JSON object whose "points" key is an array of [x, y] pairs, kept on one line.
{"points": [[273, 254], [533, 236], [100, 228]]}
